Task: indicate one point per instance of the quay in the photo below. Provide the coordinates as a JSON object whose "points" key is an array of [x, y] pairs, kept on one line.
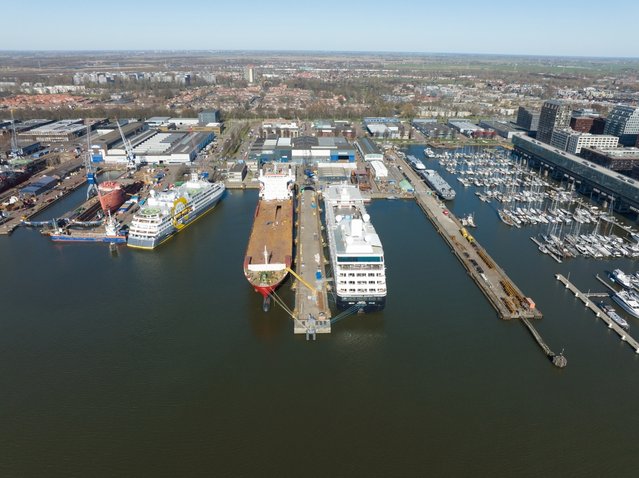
{"points": [[501, 292], [44, 201], [311, 313], [600, 314], [505, 297]]}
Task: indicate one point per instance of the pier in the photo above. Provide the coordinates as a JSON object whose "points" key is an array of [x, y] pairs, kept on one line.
{"points": [[505, 297], [312, 313], [600, 314]]}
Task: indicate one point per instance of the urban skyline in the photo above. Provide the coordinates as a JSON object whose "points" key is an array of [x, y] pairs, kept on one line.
{"points": [[285, 26]]}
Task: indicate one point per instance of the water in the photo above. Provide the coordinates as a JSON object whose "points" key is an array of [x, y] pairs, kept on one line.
{"points": [[163, 364]]}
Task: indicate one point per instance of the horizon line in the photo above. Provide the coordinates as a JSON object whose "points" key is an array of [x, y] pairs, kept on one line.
{"points": [[343, 52]]}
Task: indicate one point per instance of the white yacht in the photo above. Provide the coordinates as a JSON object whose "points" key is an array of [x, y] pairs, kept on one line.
{"points": [[620, 277], [628, 301]]}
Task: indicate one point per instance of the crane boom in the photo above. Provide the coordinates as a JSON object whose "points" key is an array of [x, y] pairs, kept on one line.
{"points": [[130, 155]]}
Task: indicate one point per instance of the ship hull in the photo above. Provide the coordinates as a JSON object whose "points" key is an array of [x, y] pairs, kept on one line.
{"points": [[152, 243], [365, 303], [625, 306], [111, 196], [279, 240], [97, 238]]}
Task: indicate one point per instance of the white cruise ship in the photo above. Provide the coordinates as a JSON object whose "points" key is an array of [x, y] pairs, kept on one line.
{"points": [[168, 212], [356, 251]]}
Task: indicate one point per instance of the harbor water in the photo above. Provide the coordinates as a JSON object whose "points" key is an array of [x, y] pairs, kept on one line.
{"points": [[163, 363]]}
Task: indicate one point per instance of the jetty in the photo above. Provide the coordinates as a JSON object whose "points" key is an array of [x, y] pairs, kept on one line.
{"points": [[600, 314], [503, 294], [311, 314], [506, 298]]}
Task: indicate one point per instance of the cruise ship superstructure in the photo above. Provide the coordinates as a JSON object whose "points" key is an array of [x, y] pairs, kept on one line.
{"points": [[168, 212], [269, 253], [356, 251]]}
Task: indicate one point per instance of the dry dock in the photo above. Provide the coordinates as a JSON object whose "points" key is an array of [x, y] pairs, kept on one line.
{"points": [[312, 313], [600, 314]]}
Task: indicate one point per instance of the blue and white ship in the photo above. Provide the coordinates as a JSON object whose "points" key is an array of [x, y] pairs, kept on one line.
{"points": [[168, 212], [357, 255]]}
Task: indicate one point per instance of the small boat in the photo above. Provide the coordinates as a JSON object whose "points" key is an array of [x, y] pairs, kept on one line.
{"points": [[469, 220], [612, 313]]}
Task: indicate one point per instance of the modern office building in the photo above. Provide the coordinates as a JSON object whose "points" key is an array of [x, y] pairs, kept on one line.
{"points": [[623, 122], [527, 119], [209, 116], [617, 159], [572, 141], [554, 114], [585, 176]]}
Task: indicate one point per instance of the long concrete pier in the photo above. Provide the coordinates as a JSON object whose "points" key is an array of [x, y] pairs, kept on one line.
{"points": [[312, 313], [600, 314], [505, 297]]}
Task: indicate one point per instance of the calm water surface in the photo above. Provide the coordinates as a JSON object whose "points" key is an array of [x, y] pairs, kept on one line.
{"points": [[163, 364]]}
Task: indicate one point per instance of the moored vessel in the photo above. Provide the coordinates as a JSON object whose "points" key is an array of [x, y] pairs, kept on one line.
{"points": [[357, 256], [439, 184], [168, 212], [612, 313], [269, 253], [628, 302], [620, 277]]}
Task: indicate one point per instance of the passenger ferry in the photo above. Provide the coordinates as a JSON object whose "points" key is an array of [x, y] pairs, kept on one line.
{"points": [[356, 251], [168, 212]]}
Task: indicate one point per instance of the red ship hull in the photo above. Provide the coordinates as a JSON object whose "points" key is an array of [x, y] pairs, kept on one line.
{"points": [[111, 196]]}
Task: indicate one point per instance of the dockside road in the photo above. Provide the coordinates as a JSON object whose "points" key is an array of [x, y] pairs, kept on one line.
{"points": [[312, 313]]}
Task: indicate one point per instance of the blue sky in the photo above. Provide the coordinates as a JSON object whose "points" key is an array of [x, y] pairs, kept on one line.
{"points": [[504, 27]]}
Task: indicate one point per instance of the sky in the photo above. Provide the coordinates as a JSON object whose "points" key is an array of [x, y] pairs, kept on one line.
{"points": [[540, 27]]}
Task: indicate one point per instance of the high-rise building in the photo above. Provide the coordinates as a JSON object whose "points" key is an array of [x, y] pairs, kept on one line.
{"points": [[623, 122], [554, 114], [527, 119], [249, 73]]}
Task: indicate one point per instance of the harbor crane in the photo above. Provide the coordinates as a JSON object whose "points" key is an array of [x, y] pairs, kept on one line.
{"points": [[92, 180], [131, 162]]}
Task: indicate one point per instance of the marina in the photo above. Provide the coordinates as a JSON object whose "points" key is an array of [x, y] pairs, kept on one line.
{"points": [[599, 313]]}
